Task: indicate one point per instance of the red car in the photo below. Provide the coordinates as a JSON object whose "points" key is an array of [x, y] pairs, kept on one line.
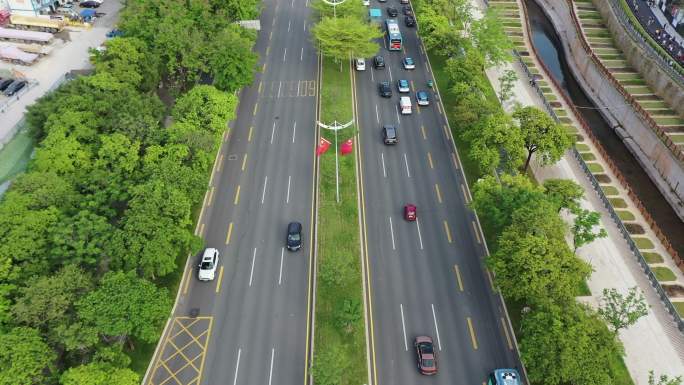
{"points": [[410, 212], [427, 358]]}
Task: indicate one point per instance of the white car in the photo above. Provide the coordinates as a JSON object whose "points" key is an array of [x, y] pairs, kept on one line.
{"points": [[403, 86], [207, 267], [360, 64], [366, 3], [408, 63]]}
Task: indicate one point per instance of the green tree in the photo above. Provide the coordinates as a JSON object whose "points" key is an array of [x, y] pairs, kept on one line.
{"points": [[565, 193], [129, 61], [493, 139], [583, 228], [496, 201], [328, 366], [346, 37], [237, 9], [542, 135], [99, 374], [506, 83], [125, 305], [663, 379], [353, 9], [437, 33], [622, 311], [232, 62], [25, 359], [206, 108], [567, 345], [491, 38]]}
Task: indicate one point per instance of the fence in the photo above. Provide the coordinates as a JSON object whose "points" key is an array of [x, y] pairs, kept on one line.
{"points": [[620, 225]]}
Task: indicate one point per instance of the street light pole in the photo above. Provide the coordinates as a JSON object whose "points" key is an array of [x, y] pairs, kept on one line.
{"points": [[336, 127]]}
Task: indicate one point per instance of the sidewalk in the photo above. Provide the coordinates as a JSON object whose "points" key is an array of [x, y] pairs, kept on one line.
{"points": [[654, 342], [67, 56]]}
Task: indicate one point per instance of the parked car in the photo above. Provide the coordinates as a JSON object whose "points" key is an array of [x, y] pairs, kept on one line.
{"points": [[379, 62], [427, 358], [407, 10], [90, 4], [389, 134], [403, 86], [15, 87], [422, 98], [410, 212], [208, 264], [409, 21], [385, 89], [392, 12], [115, 33], [4, 83], [360, 64], [294, 236], [409, 64]]}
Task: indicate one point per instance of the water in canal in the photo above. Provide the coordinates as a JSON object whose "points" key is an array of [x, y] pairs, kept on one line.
{"points": [[547, 44]]}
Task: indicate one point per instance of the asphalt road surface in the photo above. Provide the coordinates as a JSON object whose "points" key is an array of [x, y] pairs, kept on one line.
{"points": [[249, 325], [427, 277]]}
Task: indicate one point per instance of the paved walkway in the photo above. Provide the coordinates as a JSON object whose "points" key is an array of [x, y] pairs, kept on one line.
{"points": [[67, 56], [654, 342]]}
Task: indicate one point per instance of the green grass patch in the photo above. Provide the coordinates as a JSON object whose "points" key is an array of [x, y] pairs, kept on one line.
{"points": [[595, 167], [618, 203], [582, 289], [625, 215], [15, 155], [643, 243], [678, 138], [618, 369], [663, 274], [339, 297], [588, 156], [581, 147], [680, 307], [610, 190], [652, 257]]}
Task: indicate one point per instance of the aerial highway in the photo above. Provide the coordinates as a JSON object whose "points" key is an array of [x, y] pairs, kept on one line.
{"points": [[249, 324], [426, 277]]}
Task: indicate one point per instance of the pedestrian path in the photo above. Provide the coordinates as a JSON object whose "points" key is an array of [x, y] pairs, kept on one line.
{"points": [[601, 42], [654, 343]]}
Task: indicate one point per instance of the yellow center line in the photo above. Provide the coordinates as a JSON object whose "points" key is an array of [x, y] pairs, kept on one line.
{"points": [[472, 333], [187, 282], [453, 158], [465, 195], [268, 49], [477, 233], [491, 281], [446, 131], [439, 108], [439, 194], [249, 136], [422, 130], [508, 336], [261, 85], [201, 229], [263, 68], [220, 277], [255, 108], [244, 162], [230, 231], [458, 277], [270, 35], [220, 163], [211, 195], [412, 86], [448, 232], [237, 196]]}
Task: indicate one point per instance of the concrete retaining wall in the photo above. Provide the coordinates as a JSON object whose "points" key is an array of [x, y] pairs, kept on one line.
{"points": [[655, 158]]}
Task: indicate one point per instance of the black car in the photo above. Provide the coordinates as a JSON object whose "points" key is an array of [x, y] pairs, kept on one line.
{"points": [[15, 87], [294, 236], [410, 21], [90, 4], [392, 12], [389, 134], [407, 10], [379, 62], [4, 83], [385, 89]]}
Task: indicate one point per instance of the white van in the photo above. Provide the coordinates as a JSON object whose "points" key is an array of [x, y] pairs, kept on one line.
{"points": [[405, 105]]}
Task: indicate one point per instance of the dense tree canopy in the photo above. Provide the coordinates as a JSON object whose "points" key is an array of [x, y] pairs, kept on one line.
{"points": [[343, 38], [24, 357]]}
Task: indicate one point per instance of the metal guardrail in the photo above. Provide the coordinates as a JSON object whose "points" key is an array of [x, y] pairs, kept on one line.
{"points": [[604, 199], [639, 38]]}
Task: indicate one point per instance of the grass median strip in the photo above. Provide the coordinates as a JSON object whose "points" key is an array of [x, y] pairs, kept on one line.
{"points": [[339, 345]]}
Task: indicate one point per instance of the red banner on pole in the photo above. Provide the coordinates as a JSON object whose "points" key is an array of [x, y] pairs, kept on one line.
{"points": [[347, 147], [323, 146]]}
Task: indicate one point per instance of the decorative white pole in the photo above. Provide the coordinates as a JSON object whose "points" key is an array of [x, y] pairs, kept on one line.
{"points": [[336, 127]]}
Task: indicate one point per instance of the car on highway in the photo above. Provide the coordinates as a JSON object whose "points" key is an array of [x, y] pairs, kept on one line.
{"points": [[389, 134], [403, 1], [403, 86], [405, 105], [427, 358], [406, 10], [382, 1], [422, 98], [379, 62], [208, 264], [504, 377], [385, 90], [408, 63], [409, 21], [392, 12], [294, 236], [15, 87], [90, 4], [410, 212], [360, 64]]}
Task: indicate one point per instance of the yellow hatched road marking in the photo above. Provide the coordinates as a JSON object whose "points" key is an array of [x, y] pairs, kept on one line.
{"points": [[472, 333], [230, 231], [244, 162], [477, 233], [508, 336], [458, 277], [220, 277], [430, 160], [237, 196], [439, 194], [448, 232]]}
